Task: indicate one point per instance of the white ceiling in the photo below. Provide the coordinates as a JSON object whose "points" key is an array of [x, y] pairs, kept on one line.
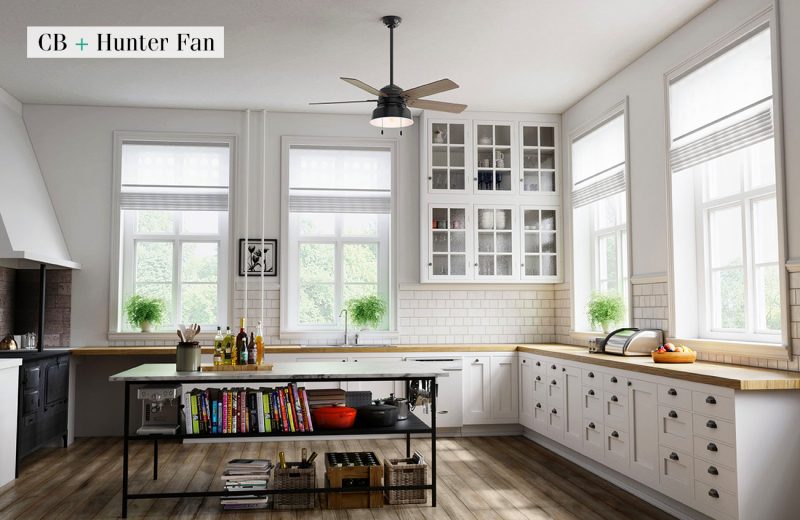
{"points": [[507, 55]]}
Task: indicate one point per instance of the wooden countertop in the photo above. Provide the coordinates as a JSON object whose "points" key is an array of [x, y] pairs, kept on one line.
{"points": [[717, 374]]}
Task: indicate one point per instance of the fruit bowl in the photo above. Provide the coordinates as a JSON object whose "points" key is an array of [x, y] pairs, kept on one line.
{"points": [[674, 357]]}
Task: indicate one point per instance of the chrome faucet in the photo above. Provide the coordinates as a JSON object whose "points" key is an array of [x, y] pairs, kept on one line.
{"points": [[344, 311]]}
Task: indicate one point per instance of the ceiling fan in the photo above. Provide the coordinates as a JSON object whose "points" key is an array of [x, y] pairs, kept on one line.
{"points": [[393, 102]]}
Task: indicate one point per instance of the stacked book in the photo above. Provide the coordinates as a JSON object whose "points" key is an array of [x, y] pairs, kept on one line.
{"points": [[246, 475], [247, 410], [326, 397]]}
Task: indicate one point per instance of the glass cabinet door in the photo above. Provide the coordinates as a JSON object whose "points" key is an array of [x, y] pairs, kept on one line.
{"points": [[538, 150], [494, 235], [448, 242], [447, 165], [539, 239], [493, 158]]}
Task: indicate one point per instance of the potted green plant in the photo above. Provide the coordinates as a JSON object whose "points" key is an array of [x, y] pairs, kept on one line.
{"points": [[367, 311], [605, 310], [144, 312]]}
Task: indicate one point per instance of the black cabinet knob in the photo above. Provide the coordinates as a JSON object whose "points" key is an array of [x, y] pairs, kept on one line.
{"points": [[553, 382], [615, 434], [563, 369], [673, 414], [672, 391], [613, 379], [674, 456], [590, 392], [713, 493], [524, 360], [713, 471], [710, 400], [477, 360], [538, 405], [630, 383], [538, 378], [538, 364], [614, 399], [553, 367], [712, 447], [554, 412], [591, 374], [711, 424], [591, 425]]}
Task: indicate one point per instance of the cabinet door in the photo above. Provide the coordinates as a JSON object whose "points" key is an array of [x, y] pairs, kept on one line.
{"points": [[593, 438], [449, 242], [538, 159], [526, 403], [323, 384], [676, 474], [540, 230], [540, 416], [643, 411], [495, 256], [617, 449], [573, 416], [495, 157], [505, 389], [592, 403], [379, 389], [56, 385], [447, 156], [477, 389]]}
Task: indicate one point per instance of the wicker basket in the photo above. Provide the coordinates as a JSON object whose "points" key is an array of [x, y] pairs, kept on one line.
{"points": [[295, 477], [403, 472]]}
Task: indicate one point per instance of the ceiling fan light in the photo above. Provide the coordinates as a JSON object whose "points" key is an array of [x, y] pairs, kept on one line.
{"points": [[391, 116]]}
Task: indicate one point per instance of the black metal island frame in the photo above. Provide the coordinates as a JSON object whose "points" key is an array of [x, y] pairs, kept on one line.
{"points": [[300, 372]]}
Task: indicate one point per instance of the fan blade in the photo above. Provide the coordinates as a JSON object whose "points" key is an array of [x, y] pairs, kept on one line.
{"points": [[342, 102], [441, 106], [443, 85], [363, 86]]}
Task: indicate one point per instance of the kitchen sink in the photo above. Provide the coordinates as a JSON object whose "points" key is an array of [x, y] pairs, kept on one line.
{"points": [[349, 345]]}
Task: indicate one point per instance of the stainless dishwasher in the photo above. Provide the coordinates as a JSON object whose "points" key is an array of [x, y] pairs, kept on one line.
{"points": [[449, 408]]}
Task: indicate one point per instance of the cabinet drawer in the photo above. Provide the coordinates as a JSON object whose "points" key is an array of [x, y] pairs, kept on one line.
{"points": [[675, 428], [592, 403], [676, 474], [540, 416], [555, 391], [592, 377], [30, 377], [555, 421], [540, 387], [713, 428], [713, 404], [675, 397], [718, 477], [614, 383], [615, 409], [716, 452], [30, 401], [713, 501], [616, 450], [593, 439]]}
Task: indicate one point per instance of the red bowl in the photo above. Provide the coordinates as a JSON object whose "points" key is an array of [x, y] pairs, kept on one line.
{"points": [[333, 417]]}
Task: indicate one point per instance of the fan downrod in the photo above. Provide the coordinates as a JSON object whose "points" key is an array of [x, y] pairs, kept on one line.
{"points": [[391, 21]]}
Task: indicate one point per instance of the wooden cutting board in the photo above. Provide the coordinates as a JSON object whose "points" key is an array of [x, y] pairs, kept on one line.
{"points": [[235, 368]]}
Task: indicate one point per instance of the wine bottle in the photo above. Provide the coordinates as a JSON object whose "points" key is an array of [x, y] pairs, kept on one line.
{"points": [[241, 343], [251, 350], [218, 352], [230, 347], [259, 345]]}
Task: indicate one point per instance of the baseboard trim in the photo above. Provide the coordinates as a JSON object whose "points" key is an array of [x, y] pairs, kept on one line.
{"points": [[645, 493]]}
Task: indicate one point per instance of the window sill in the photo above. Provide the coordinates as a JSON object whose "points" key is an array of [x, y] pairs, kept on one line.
{"points": [[363, 337], [156, 336], [736, 348]]}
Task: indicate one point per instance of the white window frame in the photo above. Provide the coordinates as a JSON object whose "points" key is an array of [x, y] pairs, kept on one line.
{"points": [[291, 331], [119, 227], [618, 108], [748, 345], [620, 233]]}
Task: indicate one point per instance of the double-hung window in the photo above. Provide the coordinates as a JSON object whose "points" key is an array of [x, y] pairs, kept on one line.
{"points": [[726, 254], [173, 216], [599, 223], [338, 247]]}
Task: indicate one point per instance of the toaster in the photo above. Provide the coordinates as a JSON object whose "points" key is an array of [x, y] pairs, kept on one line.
{"points": [[630, 341]]}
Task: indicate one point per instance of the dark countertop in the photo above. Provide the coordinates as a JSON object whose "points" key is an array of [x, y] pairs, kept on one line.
{"points": [[34, 354]]}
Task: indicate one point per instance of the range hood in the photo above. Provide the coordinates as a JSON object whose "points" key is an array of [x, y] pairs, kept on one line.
{"points": [[30, 235]]}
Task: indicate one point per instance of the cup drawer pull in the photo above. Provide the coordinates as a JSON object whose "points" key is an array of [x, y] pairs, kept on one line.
{"points": [[615, 434], [591, 425], [672, 392], [711, 424], [674, 456], [712, 447], [713, 471], [673, 414], [710, 400], [613, 379], [713, 493], [590, 392], [614, 399]]}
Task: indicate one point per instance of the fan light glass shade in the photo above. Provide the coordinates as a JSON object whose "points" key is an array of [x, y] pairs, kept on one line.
{"points": [[391, 116]]}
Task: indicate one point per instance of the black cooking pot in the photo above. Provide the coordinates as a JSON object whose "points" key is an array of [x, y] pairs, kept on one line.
{"points": [[377, 414]]}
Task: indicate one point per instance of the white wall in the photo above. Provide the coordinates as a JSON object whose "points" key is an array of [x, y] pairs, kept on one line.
{"points": [[74, 147], [643, 83]]}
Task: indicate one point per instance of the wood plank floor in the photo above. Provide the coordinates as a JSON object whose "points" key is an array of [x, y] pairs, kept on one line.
{"points": [[479, 478]]}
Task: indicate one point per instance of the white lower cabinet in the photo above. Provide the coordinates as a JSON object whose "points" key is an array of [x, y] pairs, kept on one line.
{"points": [[594, 436], [573, 418], [379, 389], [643, 401], [477, 390], [526, 402], [676, 477], [491, 389], [504, 389], [616, 451]]}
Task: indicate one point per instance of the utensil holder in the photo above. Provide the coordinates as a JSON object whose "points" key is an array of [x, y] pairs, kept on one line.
{"points": [[187, 356]]}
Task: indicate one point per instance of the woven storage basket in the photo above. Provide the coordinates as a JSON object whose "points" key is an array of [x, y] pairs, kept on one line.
{"points": [[295, 477], [402, 472]]}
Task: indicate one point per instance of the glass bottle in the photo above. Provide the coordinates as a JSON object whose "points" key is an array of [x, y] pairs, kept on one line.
{"points": [[251, 350], [218, 348], [259, 345], [230, 348], [241, 343]]}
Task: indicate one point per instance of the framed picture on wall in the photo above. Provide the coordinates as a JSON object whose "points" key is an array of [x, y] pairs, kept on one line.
{"points": [[257, 256]]}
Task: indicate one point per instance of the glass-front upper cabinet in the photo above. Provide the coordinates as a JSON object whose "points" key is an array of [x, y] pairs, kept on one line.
{"points": [[448, 242], [538, 158], [494, 157], [495, 229], [539, 247], [447, 152]]}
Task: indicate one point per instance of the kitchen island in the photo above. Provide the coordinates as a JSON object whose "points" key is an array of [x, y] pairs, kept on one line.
{"points": [[297, 372]]}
